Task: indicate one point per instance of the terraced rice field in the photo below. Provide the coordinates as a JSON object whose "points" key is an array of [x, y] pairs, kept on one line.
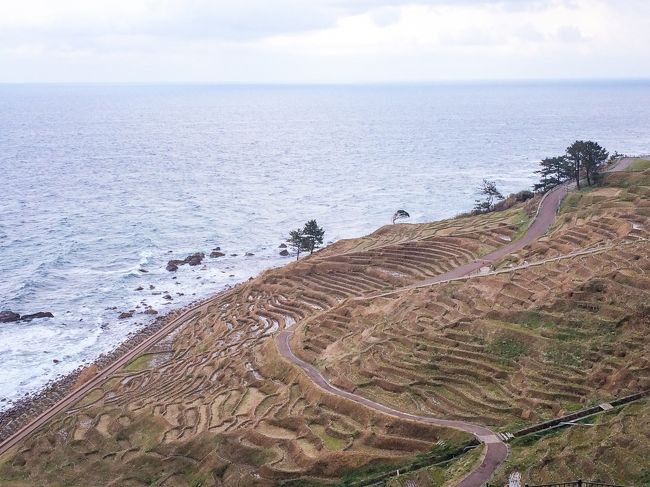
{"points": [[509, 348], [215, 404], [613, 447], [499, 349], [617, 211]]}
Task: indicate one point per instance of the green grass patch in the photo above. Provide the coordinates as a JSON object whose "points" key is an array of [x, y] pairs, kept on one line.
{"points": [[535, 320], [522, 221], [139, 363], [330, 442], [373, 474], [565, 354], [640, 165], [507, 348]]}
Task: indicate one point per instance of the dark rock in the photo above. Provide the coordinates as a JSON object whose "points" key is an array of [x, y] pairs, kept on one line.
{"points": [[40, 314], [167, 296], [143, 270], [151, 286], [284, 252], [139, 288], [217, 248], [56, 360], [125, 314], [249, 254], [7, 316], [216, 253], [150, 311], [233, 255], [282, 246], [195, 259]]}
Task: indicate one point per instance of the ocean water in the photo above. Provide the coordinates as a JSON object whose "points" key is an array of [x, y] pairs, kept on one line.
{"points": [[101, 182]]}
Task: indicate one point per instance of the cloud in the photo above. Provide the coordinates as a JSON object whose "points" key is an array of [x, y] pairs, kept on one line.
{"points": [[319, 40], [569, 33]]}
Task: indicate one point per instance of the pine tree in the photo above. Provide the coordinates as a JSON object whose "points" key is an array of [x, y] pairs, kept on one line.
{"points": [[490, 191], [594, 156], [553, 171], [297, 242], [575, 154], [313, 235]]}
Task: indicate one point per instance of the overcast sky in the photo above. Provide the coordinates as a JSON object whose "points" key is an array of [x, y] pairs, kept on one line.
{"points": [[322, 41]]}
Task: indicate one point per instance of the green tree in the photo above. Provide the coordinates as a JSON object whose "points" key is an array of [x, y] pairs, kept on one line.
{"points": [[490, 192], [594, 156], [553, 171], [298, 242], [575, 154], [313, 235]]}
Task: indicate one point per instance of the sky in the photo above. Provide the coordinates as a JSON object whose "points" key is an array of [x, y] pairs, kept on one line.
{"points": [[322, 41]]}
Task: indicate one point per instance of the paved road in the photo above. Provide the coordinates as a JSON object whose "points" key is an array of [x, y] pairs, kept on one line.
{"points": [[496, 450]]}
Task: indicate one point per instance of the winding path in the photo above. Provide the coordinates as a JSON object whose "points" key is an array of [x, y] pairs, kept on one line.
{"points": [[496, 451]]}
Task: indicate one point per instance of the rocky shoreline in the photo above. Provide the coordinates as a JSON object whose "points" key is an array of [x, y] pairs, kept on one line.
{"points": [[31, 405], [21, 411]]}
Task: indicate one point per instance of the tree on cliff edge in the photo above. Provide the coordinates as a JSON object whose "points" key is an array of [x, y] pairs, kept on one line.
{"points": [[307, 238], [297, 242], [490, 192], [553, 171], [314, 235], [594, 156], [575, 154]]}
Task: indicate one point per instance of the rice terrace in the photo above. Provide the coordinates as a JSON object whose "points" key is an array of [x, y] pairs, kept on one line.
{"points": [[442, 343]]}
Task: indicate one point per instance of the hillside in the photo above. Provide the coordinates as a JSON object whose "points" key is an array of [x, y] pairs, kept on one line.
{"points": [[553, 327]]}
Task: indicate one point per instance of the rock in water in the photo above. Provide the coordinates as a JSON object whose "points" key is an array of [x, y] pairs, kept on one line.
{"points": [[195, 259], [40, 314], [7, 316], [282, 246], [216, 253], [125, 314], [284, 252]]}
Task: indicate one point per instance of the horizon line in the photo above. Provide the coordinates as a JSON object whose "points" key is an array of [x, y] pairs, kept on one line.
{"points": [[342, 83]]}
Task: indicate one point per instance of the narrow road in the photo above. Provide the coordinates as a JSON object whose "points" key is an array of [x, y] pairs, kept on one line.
{"points": [[496, 451]]}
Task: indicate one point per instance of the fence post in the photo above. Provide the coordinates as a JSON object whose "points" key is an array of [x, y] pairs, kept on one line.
{"points": [[579, 482]]}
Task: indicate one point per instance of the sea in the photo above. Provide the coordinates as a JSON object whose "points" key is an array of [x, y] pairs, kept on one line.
{"points": [[101, 185]]}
